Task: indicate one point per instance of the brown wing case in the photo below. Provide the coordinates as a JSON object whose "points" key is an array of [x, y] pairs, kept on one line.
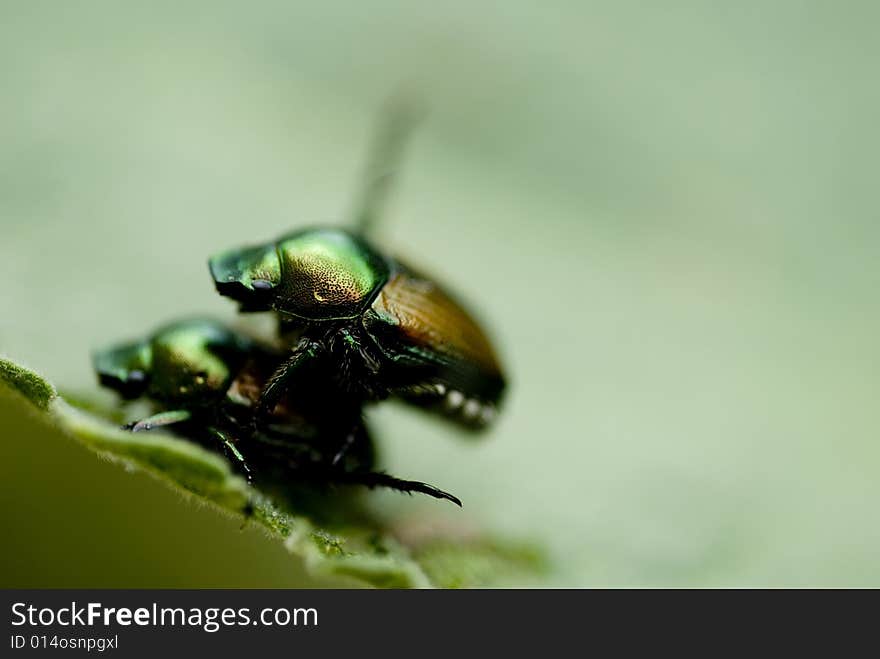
{"points": [[450, 362]]}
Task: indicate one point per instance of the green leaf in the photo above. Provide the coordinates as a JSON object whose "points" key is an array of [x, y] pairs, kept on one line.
{"points": [[353, 544], [27, 383], [480, 562]]}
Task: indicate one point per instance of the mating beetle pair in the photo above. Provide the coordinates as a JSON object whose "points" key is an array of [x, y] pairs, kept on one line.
{"points": [[354, 326]]}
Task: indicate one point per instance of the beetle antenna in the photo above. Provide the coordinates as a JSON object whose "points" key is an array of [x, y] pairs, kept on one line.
{"points": [[397, 119]]}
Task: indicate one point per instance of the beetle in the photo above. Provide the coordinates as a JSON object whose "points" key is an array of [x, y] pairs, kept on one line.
{"points": [[205, 378], [376, 326]]}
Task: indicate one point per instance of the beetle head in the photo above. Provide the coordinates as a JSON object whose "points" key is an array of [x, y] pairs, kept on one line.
{"points": [[248, 275], [124, 368]]}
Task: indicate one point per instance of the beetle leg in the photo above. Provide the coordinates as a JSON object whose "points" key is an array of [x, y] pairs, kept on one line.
{"points": [[356, 436], [158, 420], [347, 444], [396, 122], [372, 479], [278, 383], [232, 453]]}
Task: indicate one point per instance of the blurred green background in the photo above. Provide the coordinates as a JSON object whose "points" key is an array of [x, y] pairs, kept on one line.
{"points": [[666, 214]]}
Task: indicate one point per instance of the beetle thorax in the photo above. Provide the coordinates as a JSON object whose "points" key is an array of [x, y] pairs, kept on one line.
{"points": [[325, 275]]}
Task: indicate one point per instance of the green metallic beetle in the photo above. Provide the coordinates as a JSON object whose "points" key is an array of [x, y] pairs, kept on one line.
{"points": [[205, 379], [364, 323], [188, 363]]}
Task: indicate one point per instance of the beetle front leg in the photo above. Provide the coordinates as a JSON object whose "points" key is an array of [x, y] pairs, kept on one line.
{"points": [[304, 353], [347, 443], [357, 448], [232, 453], [159, 420]]}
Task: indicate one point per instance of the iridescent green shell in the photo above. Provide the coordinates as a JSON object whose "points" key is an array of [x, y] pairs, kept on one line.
{"points": [[314, 275], [186, 361]]}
